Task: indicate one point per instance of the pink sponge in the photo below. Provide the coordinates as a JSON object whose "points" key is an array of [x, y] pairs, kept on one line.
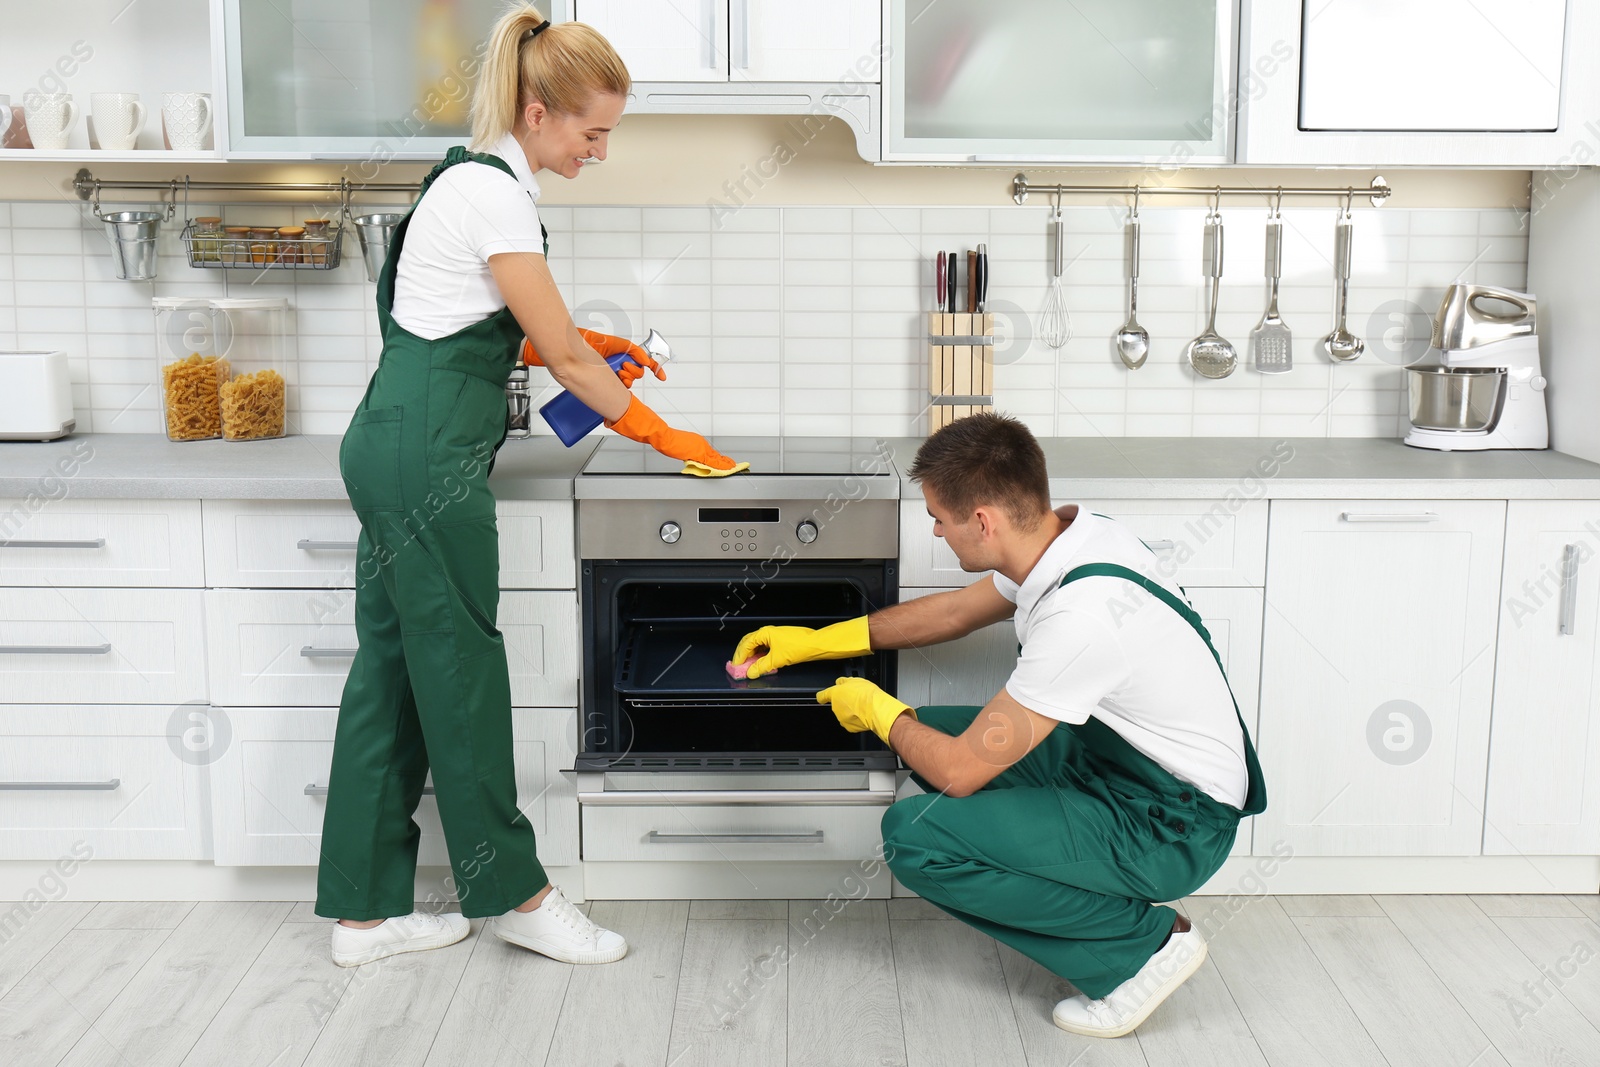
{"points": [[740, 671]]}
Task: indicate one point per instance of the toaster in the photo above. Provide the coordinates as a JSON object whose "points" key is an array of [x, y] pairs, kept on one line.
{"points": [[35, 396]]}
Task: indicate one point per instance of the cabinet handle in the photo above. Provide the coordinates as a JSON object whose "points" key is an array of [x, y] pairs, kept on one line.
{"points": [[314, 790], [110, 783], [57, 650], [312, 652], [656, 837], [1569, 590], [1390, 516], [1161, 546], [93, 542], [739, 32], [308, 545], [709, 37]]}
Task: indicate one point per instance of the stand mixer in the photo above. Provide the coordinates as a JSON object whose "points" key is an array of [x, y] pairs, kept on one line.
{"points": [[1480, 385]]}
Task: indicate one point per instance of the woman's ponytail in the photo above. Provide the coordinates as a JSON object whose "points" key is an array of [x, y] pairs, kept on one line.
{"points": [[561, 66]]}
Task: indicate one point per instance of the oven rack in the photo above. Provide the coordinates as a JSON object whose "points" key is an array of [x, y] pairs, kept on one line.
{"points": [[693, 761]]}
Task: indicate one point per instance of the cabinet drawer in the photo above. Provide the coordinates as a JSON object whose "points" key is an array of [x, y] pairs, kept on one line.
{"points": [[101, 542], [294, 543], [1201, 542], [294, 646], [269, 786], [109, 776], [731, 832], [92, 646]]}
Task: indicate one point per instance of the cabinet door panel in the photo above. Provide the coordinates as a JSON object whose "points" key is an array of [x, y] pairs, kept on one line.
{"points": [[1377, 669], [822, 41], [969, 671], [1233, 618], [664, 40], [1544, 752]]}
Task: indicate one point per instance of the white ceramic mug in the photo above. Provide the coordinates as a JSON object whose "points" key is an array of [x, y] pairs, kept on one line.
{"points": [[5, 117], [187, 117], [50, 118], [118, 119]]}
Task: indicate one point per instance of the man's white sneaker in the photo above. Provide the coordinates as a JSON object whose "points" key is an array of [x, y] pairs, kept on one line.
{"points": [[1128, 1005], [401, 933], [559, 930]]}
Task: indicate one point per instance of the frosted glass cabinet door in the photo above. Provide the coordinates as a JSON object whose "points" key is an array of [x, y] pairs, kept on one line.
{"points": [[1118, 80], [664, 40], [386, 78]]}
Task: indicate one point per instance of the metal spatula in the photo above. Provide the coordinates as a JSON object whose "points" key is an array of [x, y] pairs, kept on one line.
{"points": [[1271, 344]]}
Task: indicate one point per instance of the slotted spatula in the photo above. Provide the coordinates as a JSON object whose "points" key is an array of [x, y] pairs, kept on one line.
{"points": [[1271, 344]]}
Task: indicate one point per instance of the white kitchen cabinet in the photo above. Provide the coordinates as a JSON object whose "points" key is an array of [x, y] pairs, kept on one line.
{"points": [[968, 671], [269, 786], [1544, 750], [1233, 618], [101, 543], [1378, 661], [664, 40], [1441, 82], [107, 775], [1134, 81]]}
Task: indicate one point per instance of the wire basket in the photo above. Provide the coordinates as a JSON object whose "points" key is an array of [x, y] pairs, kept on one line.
{"points": [[211, 249]]}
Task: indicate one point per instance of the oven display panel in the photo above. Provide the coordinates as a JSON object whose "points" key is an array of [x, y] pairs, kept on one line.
{"points": [[723, 516]]}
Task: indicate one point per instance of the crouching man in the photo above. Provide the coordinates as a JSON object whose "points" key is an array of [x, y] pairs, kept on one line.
{"points": [[1110, 772]]}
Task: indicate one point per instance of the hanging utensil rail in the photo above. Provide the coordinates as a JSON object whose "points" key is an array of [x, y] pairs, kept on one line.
{"points": [[1377, 192], [87, 185]]}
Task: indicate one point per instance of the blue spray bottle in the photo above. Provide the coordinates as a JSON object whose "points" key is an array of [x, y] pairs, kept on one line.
{"points": [[572, 419]]}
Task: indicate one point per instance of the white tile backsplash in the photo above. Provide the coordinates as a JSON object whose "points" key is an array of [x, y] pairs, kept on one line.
{"points": [[811, 320]]}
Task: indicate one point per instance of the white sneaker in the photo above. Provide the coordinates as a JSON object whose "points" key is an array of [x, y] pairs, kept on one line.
{"points": [[401, 933], [559, 930], [1128, 1005]]}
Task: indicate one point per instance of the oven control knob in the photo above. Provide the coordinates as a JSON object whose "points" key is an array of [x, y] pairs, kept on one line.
{"points": [[670, 532], [806, 532]]}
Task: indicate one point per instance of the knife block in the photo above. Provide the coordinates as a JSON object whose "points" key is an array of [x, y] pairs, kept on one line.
{"points": [[961, 366]]}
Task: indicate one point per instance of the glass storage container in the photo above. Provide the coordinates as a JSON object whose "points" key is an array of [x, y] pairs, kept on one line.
{"points": [[191, 371], [208, 236], [291, 242], [253, 334], [263, 245]]}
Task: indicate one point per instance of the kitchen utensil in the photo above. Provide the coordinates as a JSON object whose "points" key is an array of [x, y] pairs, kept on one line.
{"points": [[1055, 324], [1341, 345], [133, 243], [1481, 385], [940, 266], [118, 120], [972, 281], [1210, 354], [1271, 343], [375, 230], [35, 396], [186, 118], [1133, 340], [51, 117], [1457, 399], [950, 282], [983, 277]]}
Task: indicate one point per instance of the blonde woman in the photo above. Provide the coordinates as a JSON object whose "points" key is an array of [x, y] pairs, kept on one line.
{"points": [[465, 282]]}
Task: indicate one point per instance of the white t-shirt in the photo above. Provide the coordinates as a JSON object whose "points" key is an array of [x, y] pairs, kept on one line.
{"points": [[471, 212], [1105, 647]]}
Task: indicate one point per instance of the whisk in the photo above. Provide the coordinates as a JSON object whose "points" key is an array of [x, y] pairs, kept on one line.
{"points": [[1055, 325]]}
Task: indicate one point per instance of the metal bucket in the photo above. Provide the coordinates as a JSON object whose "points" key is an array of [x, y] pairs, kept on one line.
{"points": [[133, 243], [375, 232], [1456, 398]]}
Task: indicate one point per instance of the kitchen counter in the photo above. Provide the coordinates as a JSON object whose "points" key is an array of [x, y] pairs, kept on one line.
{"points": [[300, 467], [1295, 467]]}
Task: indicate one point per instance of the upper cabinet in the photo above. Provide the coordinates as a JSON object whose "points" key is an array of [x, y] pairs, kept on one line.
{"points": [[1129, 81], [1417, 82]]}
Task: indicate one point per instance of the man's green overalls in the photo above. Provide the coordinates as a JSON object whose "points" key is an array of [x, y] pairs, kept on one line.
{"points": [[429, 685], [1061, 855]]}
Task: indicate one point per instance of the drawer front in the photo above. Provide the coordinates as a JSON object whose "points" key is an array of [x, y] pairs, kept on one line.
{"points": [[294, 646], [1199, 542], [269, 787], [732, 832], [106, 778], [101, 543], [101, 646], [295, 543]]}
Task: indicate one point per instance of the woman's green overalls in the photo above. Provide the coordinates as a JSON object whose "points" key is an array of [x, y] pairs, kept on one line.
{"points": [[1061, 855], [429, 686]]}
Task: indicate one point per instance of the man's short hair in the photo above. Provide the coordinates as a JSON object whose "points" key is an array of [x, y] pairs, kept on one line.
{"points": [[986, 459]]}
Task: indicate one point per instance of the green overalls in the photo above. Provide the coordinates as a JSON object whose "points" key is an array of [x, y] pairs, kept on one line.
{"points": [[1061, 855], [429, 686]]}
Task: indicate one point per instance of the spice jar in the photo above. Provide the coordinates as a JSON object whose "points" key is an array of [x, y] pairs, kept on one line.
{"points": [[235, 250], [317, 242], [205, 243], [291, 244], [263, 245]]}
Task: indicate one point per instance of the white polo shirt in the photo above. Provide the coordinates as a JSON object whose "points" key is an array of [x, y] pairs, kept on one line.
{"points": [[1105, 647], [471, 212]]}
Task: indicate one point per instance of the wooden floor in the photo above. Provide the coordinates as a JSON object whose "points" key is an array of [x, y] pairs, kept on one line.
{"points": [[1409, 981]]}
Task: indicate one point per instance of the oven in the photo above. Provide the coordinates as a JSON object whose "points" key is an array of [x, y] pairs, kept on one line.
{"points": [[673, 571]]}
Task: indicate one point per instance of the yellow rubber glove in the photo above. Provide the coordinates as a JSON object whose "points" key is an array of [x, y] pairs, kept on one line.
{"points": [[859, 705], [786, 645]]}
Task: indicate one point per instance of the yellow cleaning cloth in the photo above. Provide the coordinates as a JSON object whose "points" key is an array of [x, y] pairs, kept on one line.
{"points": [[700, 470]]}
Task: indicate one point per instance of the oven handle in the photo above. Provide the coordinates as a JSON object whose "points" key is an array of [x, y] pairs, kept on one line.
{"points": [[591, 790]]}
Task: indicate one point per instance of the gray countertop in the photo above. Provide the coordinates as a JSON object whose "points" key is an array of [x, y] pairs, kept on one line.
{"points": [[306, 467], [299, 467]]}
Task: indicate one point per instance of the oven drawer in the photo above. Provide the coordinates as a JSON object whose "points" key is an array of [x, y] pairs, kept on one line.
{"points": [[731, 832], [101, 542]]}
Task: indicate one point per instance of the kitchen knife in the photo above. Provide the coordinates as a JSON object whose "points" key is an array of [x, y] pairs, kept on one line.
{"points": [[950, 284], [939, 268], [972, 281], [983, 277]]}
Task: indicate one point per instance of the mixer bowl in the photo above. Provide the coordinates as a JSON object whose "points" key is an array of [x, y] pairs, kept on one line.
{"points": [[1462, 399]]}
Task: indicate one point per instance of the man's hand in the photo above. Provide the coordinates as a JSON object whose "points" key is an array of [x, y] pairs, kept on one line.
{"points": [[786, 645], [859, 705]]}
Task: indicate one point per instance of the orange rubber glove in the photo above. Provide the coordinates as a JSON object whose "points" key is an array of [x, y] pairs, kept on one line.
{"points": [[641, 424], [631, 370]]}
